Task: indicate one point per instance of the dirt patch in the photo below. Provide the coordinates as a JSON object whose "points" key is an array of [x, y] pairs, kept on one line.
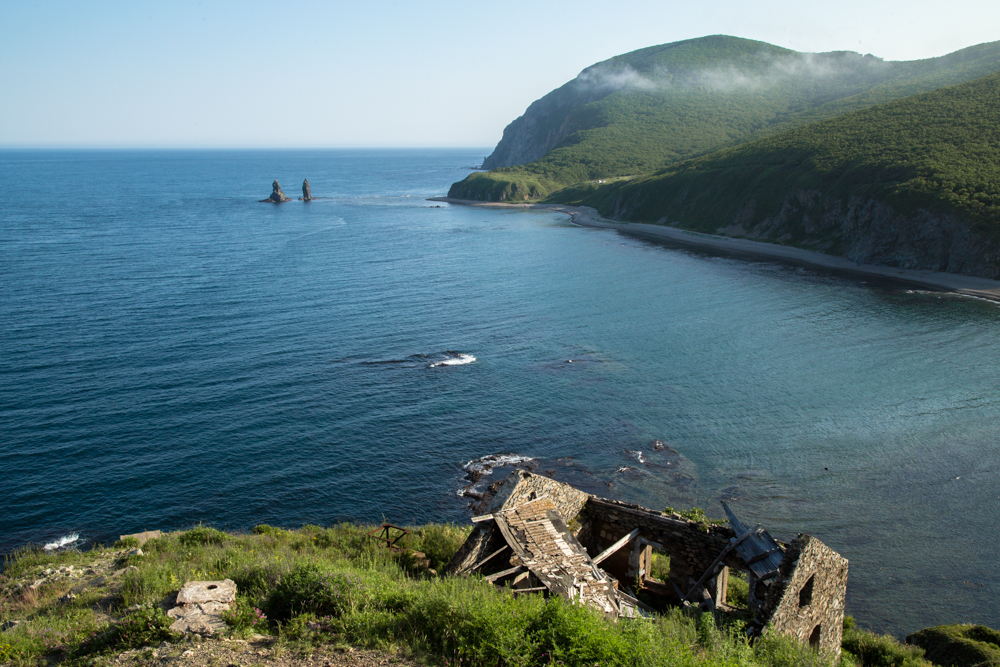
{"points": [[264, 652]]}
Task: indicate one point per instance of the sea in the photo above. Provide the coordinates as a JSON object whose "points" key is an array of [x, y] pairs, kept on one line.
{"points": [[175, 353]]}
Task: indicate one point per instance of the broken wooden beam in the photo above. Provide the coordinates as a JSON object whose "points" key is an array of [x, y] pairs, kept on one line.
{"points": [[615, 547], [505, 573], [733, 543], [488, 558]]}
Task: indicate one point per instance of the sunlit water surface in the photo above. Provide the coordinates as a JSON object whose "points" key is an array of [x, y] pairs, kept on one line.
{"points": [[174, 351]]}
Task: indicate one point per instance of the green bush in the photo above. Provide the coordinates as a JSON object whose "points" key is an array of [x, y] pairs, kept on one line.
{"points": [[308, 589], [143, 627], [438, 542], [201, 535], [871, 650], [737, 589], [243, 618], [127, 543]]}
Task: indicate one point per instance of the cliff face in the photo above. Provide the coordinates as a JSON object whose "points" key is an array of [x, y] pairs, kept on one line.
{"points": [[547, 121], [861, 229]]}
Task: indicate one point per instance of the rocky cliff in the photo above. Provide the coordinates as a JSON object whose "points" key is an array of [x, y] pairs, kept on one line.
{"points": [[864, 230], [547, 121]]}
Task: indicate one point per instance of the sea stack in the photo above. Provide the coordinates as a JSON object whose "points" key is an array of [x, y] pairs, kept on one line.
{"points": [[277, 196], [307, 194]]}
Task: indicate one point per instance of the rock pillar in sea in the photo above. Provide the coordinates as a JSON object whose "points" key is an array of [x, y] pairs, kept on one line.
{"points": [[307, 194], [277, 196]]}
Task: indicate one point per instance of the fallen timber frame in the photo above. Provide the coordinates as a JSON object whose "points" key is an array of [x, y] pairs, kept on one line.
{"points": [[616, 546], [523, 541], [713, 569]]}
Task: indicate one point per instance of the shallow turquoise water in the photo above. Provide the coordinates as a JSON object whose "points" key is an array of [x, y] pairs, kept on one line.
{"points": [[176, 352]]}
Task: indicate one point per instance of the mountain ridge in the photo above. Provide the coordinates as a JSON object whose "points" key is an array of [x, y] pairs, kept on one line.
{"points": [[913, 183], [639, 111]]}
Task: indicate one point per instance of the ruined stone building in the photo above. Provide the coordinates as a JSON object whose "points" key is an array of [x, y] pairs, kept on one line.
{"points": [[547, 537]]}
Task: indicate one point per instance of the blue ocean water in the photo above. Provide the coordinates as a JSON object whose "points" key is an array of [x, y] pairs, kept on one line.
{"points": [[175, 352]]}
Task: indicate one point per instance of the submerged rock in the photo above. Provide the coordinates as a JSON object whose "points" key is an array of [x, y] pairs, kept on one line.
{"points": [[277, 196], [307, 194]]}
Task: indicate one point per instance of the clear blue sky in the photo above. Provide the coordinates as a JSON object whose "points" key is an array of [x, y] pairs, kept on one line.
{"points": [[380, 72]]}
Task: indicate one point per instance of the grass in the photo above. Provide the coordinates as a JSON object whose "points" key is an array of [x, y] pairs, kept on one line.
{"points": [[334, 586]]}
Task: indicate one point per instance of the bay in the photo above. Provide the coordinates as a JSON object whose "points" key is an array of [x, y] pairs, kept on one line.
{"points": [[175, 352]]}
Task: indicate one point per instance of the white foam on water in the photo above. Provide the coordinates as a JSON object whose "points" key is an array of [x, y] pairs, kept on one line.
{"points": [[460, 360], [63, 541], [637, 455], [478, 469], [487, 463]]}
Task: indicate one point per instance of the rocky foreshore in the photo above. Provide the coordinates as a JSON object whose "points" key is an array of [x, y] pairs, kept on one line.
{"points": [[970, 286]]}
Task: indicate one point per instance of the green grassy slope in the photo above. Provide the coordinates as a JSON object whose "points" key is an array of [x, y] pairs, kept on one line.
{"points": [[317, 589], [933, 154], [643, 110]]}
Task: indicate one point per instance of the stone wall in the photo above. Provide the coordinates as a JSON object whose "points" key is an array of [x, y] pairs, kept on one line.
{"points": [[691, 550], [806, 599], [522, 486]]}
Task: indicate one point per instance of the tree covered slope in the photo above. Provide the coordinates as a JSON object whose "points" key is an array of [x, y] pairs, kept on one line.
{"points": [[913, 183], [640, 111]]}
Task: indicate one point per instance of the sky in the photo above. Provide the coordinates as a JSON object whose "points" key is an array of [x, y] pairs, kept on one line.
{"points": [[380, 73]]}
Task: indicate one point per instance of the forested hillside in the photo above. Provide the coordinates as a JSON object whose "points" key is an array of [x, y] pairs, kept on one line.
{"points": [[913, 183], [643, 110]]}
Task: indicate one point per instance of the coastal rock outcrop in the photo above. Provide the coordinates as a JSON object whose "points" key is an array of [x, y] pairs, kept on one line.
{"points": [[277, 196], [306, 191]]}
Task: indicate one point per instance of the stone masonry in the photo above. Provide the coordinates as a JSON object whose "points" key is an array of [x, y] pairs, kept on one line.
{"points": [[803, 598], [806, 600]]}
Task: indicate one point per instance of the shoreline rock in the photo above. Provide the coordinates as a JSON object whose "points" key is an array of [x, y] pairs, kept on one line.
{"points": [[277, 196], [306, 191]]}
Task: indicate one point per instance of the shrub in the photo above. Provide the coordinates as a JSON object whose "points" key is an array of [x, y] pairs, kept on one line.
{"points": [[127, 543], [243, 618], [201, 535], [438, 542], [309, 589], [7, 652], [873, 650], [146, 626], [737, 589]]}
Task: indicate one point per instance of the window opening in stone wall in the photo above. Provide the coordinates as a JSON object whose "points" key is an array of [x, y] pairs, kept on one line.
{"points": [[653, 585], [814, 637], [806, 594], [738, 589]]}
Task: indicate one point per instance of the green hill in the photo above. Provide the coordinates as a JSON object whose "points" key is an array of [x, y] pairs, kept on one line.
{"points": [[640, 111], [913, 183]]}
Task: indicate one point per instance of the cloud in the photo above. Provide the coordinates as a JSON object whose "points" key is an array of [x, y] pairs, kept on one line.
{"points": [[620, 78], [757, 73]]}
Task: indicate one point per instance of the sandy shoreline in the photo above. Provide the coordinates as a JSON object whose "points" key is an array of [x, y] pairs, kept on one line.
{"points": [[982, 288]]}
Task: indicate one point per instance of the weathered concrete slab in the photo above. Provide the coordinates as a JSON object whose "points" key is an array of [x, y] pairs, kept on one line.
{"points": [[200, 619], [200, 605], [201, 592]]}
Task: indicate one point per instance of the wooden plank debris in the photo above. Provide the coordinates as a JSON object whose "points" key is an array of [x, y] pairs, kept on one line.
{"points": [[488, 558], [616, 546], [536, 533], [506, 573]]}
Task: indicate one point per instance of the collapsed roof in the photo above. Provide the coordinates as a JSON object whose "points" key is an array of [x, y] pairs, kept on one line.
{"points": [[542, 536]]}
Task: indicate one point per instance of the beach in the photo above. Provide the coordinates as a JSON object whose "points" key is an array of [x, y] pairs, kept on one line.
{"points": [[982, 288]]}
